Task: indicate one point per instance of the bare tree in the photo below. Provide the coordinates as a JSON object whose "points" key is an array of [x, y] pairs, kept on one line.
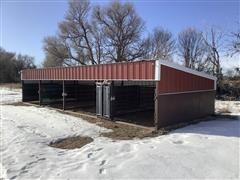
{"points": [[24, 62], [122, 30], [98, 45], [159, 45], [11, 64], [112, 33], [235, 43], [79, 41], [212, 40], [191, 48], [76, 31], [56, 52], [52, 61]]}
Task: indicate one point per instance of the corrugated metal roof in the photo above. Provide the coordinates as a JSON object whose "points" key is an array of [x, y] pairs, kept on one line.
{"points": [[139, 70]]}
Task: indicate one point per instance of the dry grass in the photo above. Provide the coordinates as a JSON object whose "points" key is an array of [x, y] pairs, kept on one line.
{"points": [[18, 104], [224, 110], [11, 85]]}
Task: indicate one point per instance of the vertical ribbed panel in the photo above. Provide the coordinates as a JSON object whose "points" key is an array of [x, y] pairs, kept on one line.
{"points": [[173, 80], [140, 70]]}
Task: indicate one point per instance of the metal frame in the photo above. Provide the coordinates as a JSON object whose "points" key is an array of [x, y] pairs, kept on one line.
{"points": [[156, 104]]}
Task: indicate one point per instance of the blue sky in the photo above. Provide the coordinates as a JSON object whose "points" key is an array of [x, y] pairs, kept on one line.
{"points": [[24, 24]]}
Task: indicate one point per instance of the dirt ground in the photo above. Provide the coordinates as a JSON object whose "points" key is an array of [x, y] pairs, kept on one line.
{"points": [[120, 131], [18, 104], [71, 142]]}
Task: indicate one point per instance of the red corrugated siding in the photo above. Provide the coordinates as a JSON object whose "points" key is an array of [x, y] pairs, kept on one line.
{"points": [[140, 70], [173, 80]]}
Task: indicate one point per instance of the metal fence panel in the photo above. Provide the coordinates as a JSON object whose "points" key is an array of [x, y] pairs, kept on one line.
{"points": [[106, 101], [99, 100]]}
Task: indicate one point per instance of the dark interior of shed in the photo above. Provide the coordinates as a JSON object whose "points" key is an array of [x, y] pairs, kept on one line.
{"points": [[30, 91], [80, 96], [134, 103], [69, 95], [51, 93]]}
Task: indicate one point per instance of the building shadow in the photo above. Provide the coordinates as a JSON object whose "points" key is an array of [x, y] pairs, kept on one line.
{"points": [[218, 125]]}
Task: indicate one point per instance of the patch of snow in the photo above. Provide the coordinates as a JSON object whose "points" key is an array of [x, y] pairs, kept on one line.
{"points": [[204, 150], [10, 95]]}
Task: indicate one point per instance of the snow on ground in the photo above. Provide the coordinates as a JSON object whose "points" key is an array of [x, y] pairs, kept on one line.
{"points": [[204, 150], [231, 106], [10, 95]]}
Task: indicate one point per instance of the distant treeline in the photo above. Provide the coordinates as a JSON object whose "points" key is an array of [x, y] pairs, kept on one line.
{"points": [[229, 89], [11, 65]]}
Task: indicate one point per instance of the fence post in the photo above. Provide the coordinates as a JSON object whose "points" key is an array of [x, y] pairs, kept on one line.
{"points": [[63, 94], [39, 93]]}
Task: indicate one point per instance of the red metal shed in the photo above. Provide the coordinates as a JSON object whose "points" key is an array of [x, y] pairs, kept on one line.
{"points": [[178, 94]]}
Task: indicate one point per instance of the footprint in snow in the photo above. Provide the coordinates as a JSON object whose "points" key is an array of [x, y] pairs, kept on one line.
{"points": [[102, 171], [61, 153], [102, 162], [153, 147], [177, 142], [41, 159], [14, 177], [127, 148], [25, 168], [99, 149], [89, 155]]}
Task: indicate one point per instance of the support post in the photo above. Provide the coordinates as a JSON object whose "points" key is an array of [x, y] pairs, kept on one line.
{"points": [[63, 95], [23, 91], [39, 93], [156, 111], [112, 101]]}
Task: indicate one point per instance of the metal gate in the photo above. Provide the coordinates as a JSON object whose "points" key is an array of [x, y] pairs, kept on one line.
{"points": [[106, 101], [103, 100], [99, 102]]}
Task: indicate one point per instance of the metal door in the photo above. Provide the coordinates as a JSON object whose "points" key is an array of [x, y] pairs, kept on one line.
{"points": [[99, 101], [106, 100]]}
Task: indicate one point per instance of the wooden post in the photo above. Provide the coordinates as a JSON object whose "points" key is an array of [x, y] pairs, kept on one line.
{"points": [[39, 93], [156, 113], [63, 94]]}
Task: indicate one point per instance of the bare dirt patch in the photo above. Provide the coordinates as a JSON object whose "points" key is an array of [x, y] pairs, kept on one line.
{"points": [[127, 132], [71, 142], [119, 131]]}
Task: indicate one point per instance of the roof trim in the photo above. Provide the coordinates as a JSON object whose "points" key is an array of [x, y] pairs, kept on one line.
{"points": [[157, 75], [185, 92], [185, 69]]}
